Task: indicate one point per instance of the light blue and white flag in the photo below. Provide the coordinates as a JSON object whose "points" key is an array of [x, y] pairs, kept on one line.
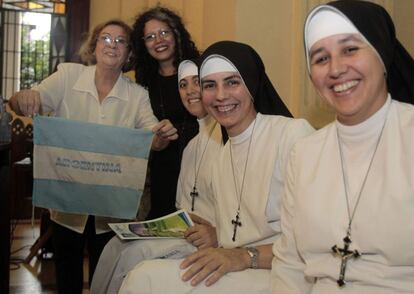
{"points": [[88, 168]]}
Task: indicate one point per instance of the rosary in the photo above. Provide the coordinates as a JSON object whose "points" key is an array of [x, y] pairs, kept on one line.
{"points": [[345, 253], [194, 192], [236, 222]]}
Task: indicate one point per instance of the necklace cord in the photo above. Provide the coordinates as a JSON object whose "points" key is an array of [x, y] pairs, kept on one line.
{"points": [[245, 167], [197, 169], [345, 178]]}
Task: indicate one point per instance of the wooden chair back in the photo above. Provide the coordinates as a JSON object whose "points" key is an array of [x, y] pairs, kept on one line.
{"points": [[21, 140]]}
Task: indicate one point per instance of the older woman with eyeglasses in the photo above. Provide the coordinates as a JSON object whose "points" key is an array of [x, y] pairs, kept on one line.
{"points": [[97, 93]]}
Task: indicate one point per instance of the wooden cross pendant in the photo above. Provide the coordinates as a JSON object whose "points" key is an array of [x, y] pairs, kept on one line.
{"points": [[193, 194], [237, 223], [344, 254]]}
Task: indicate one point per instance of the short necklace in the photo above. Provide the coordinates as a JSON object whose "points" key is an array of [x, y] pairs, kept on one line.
{"points": [[236, 222], [345, 253], [194, 193]]}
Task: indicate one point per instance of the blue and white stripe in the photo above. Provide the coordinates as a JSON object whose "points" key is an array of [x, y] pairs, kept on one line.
{"points": [[89, 168]]}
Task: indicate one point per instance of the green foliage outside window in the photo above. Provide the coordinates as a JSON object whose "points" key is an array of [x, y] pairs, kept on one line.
{"points": [[34, 58]]}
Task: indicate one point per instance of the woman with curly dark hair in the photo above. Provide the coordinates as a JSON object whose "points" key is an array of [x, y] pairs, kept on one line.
{"points": [[159, 43], [148, 63]]}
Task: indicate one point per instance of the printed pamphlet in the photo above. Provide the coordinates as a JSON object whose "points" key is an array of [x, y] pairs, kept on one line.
{"points": [[170, 226]]}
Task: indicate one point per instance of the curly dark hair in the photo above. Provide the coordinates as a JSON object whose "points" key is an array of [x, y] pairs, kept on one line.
{"points": [[145, 65]]}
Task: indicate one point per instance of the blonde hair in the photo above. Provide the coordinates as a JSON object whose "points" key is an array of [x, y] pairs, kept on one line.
{"points": [[87, 50]]}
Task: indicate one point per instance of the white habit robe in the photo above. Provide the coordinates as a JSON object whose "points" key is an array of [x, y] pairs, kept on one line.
{"points": [[273, 137], [193, 154], [119, 257], [315, 217]]}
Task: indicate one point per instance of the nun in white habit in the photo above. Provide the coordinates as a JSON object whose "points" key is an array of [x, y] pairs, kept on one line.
{"points": [[247, 181], [119, 257], [348, 207]]}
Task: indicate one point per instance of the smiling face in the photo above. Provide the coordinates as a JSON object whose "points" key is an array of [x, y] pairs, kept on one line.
{"points": [[227, 99], [189, 88], [349, 74], [112, 55], [159, 40]]}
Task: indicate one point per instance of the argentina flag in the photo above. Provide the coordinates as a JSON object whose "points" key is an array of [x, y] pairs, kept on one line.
{"points": [[88, 168]]}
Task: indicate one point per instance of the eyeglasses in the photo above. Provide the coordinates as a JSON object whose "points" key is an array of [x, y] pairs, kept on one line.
{"points": [[118, 41], [162, 34]]}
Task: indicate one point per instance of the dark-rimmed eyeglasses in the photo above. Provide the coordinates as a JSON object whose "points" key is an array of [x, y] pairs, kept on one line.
{"points": [[162, 34], [118, 41]]}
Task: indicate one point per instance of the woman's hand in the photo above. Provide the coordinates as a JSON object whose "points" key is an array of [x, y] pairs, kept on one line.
{"points": [[164, 133], [214, 261], [203, 234], [25, 102]]}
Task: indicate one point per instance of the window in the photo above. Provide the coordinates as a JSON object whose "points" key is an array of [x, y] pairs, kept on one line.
{"points": [[52, 6], [33, 42]]}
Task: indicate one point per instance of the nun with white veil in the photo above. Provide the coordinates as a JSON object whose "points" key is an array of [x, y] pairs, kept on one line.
{"points": [[118, 256], [247, 181], [348, 207]]}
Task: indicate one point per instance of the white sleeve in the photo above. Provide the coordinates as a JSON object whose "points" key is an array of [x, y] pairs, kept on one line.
{"points": [[287, 266], [294, 130], [180, 190], [181, 200], [145, 117], [52, 89]]}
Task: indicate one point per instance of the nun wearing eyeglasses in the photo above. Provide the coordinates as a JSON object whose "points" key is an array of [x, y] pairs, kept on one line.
{"points": [[97, 93], [348, 210], [247, 181]]}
